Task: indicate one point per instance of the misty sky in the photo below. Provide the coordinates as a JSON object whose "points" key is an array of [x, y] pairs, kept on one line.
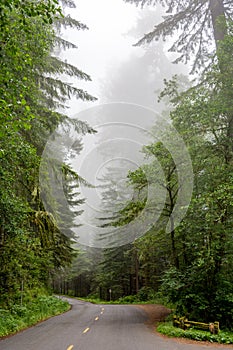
{"points": [[126, 80], [107, 54]]}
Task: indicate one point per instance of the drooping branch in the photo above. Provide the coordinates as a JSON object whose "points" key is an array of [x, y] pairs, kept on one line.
{"points": [[196, 22]]}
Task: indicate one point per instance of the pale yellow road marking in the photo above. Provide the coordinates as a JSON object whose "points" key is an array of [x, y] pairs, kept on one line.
{"points": [[101, 312], [96, 319], [70, 347], [86, 330], [102, 308]]}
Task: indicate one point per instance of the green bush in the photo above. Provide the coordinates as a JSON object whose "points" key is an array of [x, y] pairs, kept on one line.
{"points": [[145, 294], [22, 316], [129, 299], [18, 310], [169, 330]]}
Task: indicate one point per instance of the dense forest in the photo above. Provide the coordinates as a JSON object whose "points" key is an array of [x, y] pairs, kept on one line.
{"points": [[189, 264]]}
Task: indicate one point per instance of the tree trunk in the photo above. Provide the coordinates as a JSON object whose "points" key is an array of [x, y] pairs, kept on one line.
{"points": [[175, 258], [217, 13], [220, 30], [136, 272]]}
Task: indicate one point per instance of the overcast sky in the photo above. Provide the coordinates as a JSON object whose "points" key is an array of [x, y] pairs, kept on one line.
{"points": [[107, 54], [105, 46]]}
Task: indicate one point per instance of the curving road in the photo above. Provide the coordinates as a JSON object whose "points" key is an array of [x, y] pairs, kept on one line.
{"points": [[95, 327]]}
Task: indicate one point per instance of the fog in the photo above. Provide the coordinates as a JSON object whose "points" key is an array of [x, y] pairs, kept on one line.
{"points": [[127, 81]]}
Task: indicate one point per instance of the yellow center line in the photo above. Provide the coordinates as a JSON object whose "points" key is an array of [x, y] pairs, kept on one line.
{"points": [[101, 312], [102, 308], [96, 319], [70, 347], [86, 330]]}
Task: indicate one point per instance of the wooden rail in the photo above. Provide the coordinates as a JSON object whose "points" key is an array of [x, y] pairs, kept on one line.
{"points": [[184, 323]]}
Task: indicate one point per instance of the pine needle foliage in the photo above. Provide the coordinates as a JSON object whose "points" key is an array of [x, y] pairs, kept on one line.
{"points": [[195, 23]]}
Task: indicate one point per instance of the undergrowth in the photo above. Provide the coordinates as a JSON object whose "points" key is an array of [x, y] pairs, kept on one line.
{"points": [[139, 298], [222, 337], [19, 317]]}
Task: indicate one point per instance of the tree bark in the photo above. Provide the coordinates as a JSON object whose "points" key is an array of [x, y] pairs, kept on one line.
{"points": [[136, 272], [173, 245], [220, 30], [217, 13]]}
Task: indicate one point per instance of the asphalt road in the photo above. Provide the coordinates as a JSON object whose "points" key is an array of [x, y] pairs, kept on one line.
{"points": [[95, 327]]}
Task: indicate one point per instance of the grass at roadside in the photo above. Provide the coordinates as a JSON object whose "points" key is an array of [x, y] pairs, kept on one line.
{"points": [[223, 337], [20, 317], [130, 299], [120, 301]]}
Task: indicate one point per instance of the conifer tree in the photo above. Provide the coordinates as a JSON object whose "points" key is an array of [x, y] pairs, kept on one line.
{"points": [[198, 23], [31, 244]]}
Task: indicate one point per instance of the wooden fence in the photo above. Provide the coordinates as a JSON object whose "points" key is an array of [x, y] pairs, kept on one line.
{"points": [[184, 323]]}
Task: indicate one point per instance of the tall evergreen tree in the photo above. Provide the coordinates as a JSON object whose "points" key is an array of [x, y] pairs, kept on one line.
{"points": [[193, 20], [31, 244]]}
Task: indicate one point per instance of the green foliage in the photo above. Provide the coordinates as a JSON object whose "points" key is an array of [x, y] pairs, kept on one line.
{"points": [[141, 298], [26, 10], [129, 299], [19, 316], [169, 330], [115, 273], [191, 44], [204, 116], [145, 295], [148, 297], [31, 245]]}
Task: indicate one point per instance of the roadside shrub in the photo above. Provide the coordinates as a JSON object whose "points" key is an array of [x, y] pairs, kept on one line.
{"points": [[145, 294], [129, 299], [194, 334], [21, 316]]}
